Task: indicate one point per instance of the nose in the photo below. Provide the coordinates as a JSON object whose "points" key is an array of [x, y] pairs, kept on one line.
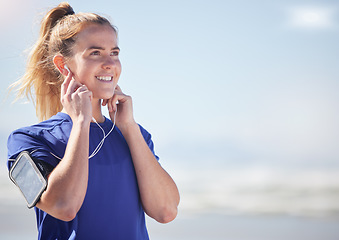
{"points": [[109, 63]]}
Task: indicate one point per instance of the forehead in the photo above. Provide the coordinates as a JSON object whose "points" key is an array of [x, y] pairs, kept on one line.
{"points": [[96, 35]]}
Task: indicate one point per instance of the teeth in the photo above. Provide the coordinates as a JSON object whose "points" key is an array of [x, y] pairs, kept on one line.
{"points": [[104, 78]]}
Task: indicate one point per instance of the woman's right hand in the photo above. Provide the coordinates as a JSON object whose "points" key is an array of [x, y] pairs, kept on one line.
{"points": [[67, 183], [76, 100]]}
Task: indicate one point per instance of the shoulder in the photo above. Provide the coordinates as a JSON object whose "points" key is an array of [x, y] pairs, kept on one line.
{"points": [[39, 136]]}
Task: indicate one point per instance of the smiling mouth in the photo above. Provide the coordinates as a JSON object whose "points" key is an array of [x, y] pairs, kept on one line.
{"points": [[105, 78]]}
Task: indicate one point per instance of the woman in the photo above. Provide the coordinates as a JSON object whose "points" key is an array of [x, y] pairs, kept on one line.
{"points": [[103, 180]]}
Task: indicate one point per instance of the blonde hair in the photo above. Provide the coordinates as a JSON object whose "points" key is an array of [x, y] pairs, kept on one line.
{"points": [[58, 33]]}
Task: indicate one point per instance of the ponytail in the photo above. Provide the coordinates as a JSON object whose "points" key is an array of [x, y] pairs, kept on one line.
{"points": [[57, 32]]}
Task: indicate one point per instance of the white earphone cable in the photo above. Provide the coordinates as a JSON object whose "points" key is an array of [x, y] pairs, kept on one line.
{"points": [[97, 149], [101, 143]]}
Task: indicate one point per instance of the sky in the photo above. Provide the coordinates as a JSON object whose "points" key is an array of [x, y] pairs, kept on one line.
{"points": [[215, 82]]}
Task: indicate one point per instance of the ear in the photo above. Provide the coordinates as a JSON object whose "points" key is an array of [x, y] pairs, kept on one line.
{"points": [[59, 62]]}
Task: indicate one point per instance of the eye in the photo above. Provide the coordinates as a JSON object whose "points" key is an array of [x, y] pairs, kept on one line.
{"points": [[115, 53], [95, 53]]}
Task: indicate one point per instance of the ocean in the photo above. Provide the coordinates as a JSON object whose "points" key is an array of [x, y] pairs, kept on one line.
{"points": [[224, 202], [308, 192]]}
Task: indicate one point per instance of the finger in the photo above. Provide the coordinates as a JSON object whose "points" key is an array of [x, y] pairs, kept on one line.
{"points": [[81, 88], [117, 99], [65, 84], [110, 104], [118, 88], [84, 91], [104, 102], [73, 86]]}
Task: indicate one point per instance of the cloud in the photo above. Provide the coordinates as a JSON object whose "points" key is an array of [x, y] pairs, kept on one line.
{"points": [[312, 18]]}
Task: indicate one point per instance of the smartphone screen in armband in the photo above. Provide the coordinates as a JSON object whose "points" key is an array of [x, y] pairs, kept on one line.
{"points": [[28, 178]]}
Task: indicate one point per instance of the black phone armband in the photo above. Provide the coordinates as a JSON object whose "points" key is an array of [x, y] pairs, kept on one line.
{"points": [[30, 176]]}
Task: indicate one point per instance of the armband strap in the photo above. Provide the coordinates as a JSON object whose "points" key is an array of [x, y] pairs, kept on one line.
{"points": [[44, 167]]}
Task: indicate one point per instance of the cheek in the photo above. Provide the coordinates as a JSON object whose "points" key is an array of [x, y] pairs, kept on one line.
{"points": [[120, 66], [82, 79], [85, 74], [118, 70]]}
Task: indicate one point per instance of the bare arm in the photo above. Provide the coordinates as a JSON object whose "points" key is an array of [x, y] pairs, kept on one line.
{"points": [[158, 192], [67, 183]]}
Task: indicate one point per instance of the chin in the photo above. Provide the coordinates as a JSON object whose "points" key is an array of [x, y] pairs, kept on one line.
{"points": [[103, 93], [106, 96]]}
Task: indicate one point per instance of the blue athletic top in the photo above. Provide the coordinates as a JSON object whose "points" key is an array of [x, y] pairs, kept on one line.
{"points": [[112, 208]]}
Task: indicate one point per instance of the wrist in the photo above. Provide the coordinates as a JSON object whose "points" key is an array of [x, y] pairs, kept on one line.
{"points": [[79, 120], [82, 122]]}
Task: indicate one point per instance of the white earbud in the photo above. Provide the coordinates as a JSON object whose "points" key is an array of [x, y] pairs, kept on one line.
{"points": [[65, 66]]}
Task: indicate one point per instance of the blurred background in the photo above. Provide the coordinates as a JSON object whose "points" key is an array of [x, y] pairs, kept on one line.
{"points": [[241, 98]]}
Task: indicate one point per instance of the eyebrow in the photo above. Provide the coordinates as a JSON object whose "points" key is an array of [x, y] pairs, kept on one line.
{"points": [[101, 48]]}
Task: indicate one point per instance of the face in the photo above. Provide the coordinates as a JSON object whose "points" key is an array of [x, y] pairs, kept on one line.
{"points": [[95, 62]]}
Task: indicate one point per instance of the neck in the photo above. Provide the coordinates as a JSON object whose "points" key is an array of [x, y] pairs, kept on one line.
{"points": [[96, 111]]}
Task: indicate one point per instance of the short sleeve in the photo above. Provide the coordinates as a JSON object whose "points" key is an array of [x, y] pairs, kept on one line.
{"points": [[24, 140], [148, 138]]}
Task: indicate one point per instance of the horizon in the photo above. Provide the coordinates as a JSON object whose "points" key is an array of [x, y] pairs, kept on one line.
{"points": [[233, 82]]}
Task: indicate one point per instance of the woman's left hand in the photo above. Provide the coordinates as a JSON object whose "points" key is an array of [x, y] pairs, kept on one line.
{"points": [[121, 103]]}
